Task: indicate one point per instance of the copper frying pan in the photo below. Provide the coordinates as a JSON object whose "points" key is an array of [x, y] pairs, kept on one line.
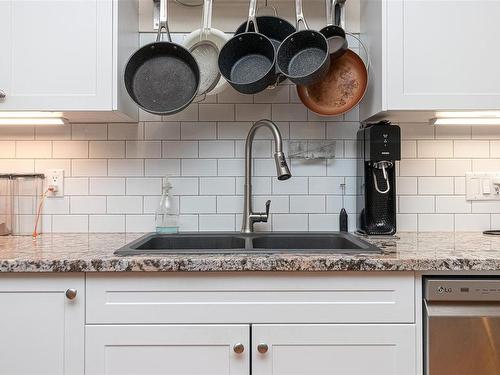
{"points": [[340, 90]]}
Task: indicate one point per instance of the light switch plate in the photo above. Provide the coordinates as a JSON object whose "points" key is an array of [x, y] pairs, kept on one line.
{"points": [[55, 178], [482, 186]]}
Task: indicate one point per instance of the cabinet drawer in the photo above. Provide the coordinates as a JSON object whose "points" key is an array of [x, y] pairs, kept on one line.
{"points": [[344, 297]]}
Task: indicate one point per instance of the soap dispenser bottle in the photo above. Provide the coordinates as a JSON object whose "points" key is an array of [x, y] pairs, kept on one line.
{"points": [[167, 218]]}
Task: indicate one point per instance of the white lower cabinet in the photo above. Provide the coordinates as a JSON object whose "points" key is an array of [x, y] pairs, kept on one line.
{"points": [[167, 349], [41, 329], [343, 349]]}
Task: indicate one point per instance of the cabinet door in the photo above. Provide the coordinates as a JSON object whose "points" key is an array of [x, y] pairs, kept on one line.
{"points": [[161, 349], [334, 349], [56, 54], [41, 330], [443, 54]]}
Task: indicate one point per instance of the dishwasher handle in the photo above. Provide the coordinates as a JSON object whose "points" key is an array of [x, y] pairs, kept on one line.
{"points": [[461, 309]]}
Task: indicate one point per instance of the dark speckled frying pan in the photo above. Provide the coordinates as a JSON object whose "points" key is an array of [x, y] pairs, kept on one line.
{"points": [[162, 77]]}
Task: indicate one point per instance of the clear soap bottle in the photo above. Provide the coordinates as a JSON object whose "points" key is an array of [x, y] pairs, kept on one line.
{"points": [[167, 217]]}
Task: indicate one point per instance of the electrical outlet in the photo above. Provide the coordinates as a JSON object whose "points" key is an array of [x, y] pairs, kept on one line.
{"points": [[482, 186], [54, 182]]}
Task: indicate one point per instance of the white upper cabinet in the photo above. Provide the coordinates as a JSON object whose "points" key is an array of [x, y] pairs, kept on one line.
{"points": [[66, 56], [431, 55]]}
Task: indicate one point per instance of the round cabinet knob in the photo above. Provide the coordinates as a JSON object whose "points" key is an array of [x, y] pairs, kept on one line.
{"points": [[262, 348], [71, 294], [239, 348]]}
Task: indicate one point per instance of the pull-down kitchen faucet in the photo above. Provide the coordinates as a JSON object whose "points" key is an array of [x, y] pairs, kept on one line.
{"points": [[283, 173]]}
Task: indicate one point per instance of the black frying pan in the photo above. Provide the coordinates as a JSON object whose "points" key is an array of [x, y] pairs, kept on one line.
{"points": [[247, 61], [162, 77], [334, 34], [303, 56], [276, 29]]}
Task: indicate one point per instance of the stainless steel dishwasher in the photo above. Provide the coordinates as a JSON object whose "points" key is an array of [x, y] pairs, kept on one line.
{"points": [[462, 326]]}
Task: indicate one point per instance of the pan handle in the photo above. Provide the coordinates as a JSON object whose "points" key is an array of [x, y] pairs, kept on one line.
{"points": [[275, 11], [300, 15], [340, 4], [330, 10], [207, 18], [252, 16], [163, 22]]}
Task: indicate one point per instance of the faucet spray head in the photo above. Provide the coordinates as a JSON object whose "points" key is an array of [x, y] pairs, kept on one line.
{"points": [[282, 170]]}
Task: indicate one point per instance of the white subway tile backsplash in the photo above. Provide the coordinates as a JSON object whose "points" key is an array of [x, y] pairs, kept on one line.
{"points": [[124, 205], [107, 223], [198, 130], [323, 222], [51, 133], [435, 185], [216, 149], [76, 186], [70, 149], [341, 167], [290, 222], [217, 112], [416, 204], [70, 223], [407, 185], [198, 205], [184, 185], [107, 186], [88, 132], [233, 130], [230, 204], [162, 130], [454, 204], [162, 167], [231, 167], [180, 149], [139, 223], [217, 223], [472, 222], [41, 165], [125, 167], [33, 149], [307, 204], [417, 167], [7, 149], [435, 223], [217, 186], [87, 167], [253, 112], [143, 149], [144, 186], [472, 149], [106, 149], [326, 185], [126, 131], [453, 167], [292, 186], [113, 172], [308, 167], [435, 149], [407, 222], [87, 204], [289, 112], [307, 130], [199, 167]]}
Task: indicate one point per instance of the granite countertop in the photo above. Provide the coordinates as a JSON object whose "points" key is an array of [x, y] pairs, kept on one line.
{"points": [[94, 253]]}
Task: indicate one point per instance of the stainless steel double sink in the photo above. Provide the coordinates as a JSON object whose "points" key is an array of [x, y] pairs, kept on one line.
{"points": [[254, 243]]}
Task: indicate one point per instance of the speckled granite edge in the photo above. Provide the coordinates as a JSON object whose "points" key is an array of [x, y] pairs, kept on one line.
{"points": [[94, 253]]}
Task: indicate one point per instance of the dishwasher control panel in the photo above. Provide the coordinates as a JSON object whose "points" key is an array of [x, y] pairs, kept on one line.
{"points": [[462, 289]]}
